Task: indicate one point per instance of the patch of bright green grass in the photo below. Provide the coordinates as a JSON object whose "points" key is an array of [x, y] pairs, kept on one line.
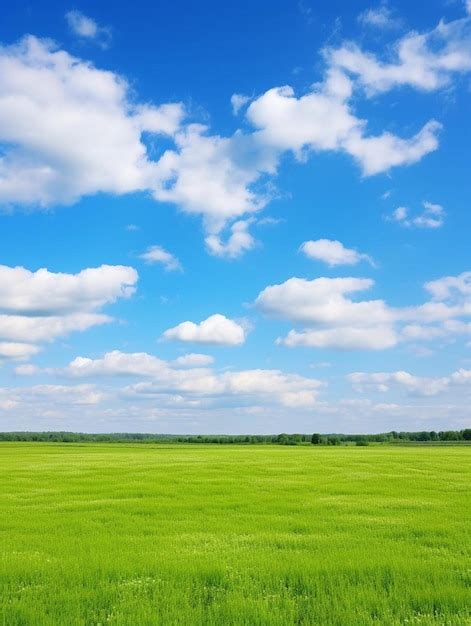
{"points": [[230, 535]]}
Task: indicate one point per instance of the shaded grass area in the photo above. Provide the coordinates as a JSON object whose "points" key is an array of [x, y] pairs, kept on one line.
{"points": [[230, 535]]}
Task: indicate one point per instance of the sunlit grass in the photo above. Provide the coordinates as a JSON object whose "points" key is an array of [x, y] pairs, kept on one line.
{"points": [[222, 535]]}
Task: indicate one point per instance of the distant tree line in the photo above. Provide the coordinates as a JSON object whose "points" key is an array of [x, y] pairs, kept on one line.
{"points": [[394, 437], [281, 439]]}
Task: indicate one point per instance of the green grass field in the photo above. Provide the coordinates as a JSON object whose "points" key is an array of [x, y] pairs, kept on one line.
{"points": [[223, 535]]}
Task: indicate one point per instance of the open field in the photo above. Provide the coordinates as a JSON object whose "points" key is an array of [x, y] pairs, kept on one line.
{"points": [[223, 535]]}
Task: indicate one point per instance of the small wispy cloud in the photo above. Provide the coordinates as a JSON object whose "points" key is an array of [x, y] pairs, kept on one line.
{"points": [[381, 17], [87, 28], [158, 254], [433, 216], [238, 101]]}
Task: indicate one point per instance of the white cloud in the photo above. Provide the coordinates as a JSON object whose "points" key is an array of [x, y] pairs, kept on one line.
{"points": [[46, 95], [212, 176], [81, 24], [27, 369], [400, 214], [272, 386], [193, 360], [450, 287], [40, 398], [239, 241], [425, 61], [16, 350], [166, 398], [323, 301], [238, 101], [158, 254], [118, 363], [21, 328], [331, 318], [24, 292], [380, 17], [40, 306], [415, 385], [381, 153], [216, 330], [343, 338], [461, 377], [87, 28], [426, 332], [323, 121], [333, 253], [323, 118], [140, 364], [433, 216]]}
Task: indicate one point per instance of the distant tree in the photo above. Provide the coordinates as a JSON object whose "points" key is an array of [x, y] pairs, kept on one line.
{"points": [[316, 439], [333, 441], [450, 435], [466, 434]]}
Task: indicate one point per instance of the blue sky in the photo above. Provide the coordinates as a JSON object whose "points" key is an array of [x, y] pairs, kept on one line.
{"points": [[226, 219]]}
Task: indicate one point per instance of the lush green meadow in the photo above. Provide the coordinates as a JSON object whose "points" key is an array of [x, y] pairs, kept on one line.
{"points": [[223, 535]]}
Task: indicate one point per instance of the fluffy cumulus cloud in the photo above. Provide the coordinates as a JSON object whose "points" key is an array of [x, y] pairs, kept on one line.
{"points": [[158, 254], [322, 300], [215, 330], [415, 385], [193, 381], [239, 241], [322, 120], [213, 176], [446, 315], [37, 307], [425, 61], [330, 317], [451, 288], [333, 253], [47, 94], [43, 293]]}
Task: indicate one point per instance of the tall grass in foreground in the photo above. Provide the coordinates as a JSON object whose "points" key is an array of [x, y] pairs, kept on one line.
{"points": [[231, 535]]}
